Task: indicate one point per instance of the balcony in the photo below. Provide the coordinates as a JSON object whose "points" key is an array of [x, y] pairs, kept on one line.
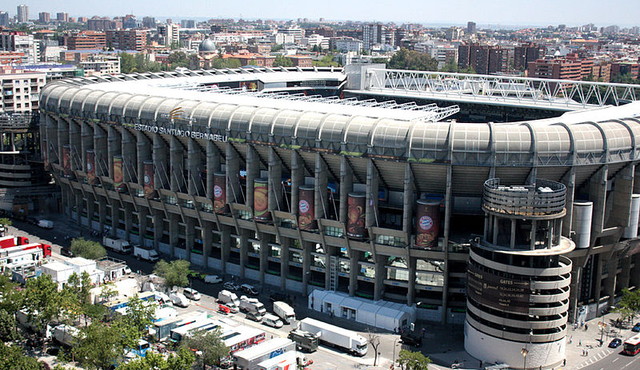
{"points": [[543, 200]]}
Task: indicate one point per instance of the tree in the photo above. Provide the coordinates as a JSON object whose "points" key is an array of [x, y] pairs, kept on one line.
{"points": [[139, 314], [8, 326], [182, 360], [12, 298], [5, 221], [629, 305], [178, 59], [175, 273], [127, 63], [413, 360], [277, 47], [87, 249], [42, 301], [12, 357], [210, 344], [326, 61], [76, 296], [100, 345], [221, 63], [412, 60], [374, 342], [282, 61]]}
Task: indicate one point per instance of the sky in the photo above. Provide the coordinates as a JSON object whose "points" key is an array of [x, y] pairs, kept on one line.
{"points": [[483, 12]]}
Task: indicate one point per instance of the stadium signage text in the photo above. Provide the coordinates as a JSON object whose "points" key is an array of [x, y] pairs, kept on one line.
{"points": [[178, 132]]}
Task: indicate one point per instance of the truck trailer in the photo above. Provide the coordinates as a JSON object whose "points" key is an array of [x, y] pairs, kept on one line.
{"points": [[118, 245], [286, 312], [249, 358], [348, 340]]}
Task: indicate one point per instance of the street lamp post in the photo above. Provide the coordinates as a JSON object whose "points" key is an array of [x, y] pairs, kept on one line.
{"points": [[602, 326], [524, 351], [393, 364]]}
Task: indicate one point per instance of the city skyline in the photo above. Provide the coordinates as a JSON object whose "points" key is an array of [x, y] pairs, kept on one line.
{"points": [[500, 12]]}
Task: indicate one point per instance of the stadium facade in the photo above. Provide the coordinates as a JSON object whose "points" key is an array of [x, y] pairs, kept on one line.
{"points": [[516, 228]]}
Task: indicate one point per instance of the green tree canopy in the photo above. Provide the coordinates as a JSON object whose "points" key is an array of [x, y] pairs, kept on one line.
{"points": [[42, 301], [8, 326], [629, 304], [182, 360], [413, 360], [210, 344], [326, 61], [282, 61], [139, 314], [100, 345], [221, 63], [5, 221], [179, 59], [175, 273], [12, 357], [412, 60], [87, 249]]}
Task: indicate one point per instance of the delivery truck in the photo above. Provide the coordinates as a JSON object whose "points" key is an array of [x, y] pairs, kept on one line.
{"points": [[228, 299], [251, 305], [248, 359], [65, 335], [118, 245], [335, 336], [284, 311], [286, 361], [145, 253], [305, 341]]}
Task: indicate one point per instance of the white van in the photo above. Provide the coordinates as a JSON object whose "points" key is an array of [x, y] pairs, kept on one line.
{"points": [[272, 320], [178, 299]]}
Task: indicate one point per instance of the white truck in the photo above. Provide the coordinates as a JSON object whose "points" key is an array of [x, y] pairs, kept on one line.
{"points": [[286, 361], [178, 299], [118, 245], [145, 253], [336, 336], [248, 359], [228, 298], [65, 334], [45, 224], [251, 305], [284, 311]]}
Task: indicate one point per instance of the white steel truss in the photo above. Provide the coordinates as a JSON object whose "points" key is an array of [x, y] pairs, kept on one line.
{"points": [[505, 90]]}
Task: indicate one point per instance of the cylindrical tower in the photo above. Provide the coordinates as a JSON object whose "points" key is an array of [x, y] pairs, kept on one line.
{"points": [[518, 279]]}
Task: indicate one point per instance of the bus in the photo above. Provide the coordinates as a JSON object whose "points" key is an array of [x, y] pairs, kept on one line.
{"points": [[632, 346]]}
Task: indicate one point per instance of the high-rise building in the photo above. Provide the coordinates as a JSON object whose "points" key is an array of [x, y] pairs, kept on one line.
{"points": [[556, 69], [86, 40], [149, 22], [126, 39], [20, 42], [526, 53], [188, 23], [44, 17], [4, 19], [23, 13], [169, 34], [62, 17], [484, 59], [371, 35], [471, 28]]}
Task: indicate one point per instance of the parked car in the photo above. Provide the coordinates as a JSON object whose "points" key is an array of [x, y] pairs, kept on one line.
{"points": [[248, 289], [615, 343], [411, 338], [230, 286], [192, 294], [279, 297], [255, 316], [272, 320], [66, 252], [636, 327], [212, 279]]}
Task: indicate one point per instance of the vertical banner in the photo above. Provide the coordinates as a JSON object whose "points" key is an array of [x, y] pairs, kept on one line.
{"points": [[118, 179], [261, 200], [66, 160], [427, 223], [356, 215], [220, 192], [91, 167], [149, 179], [306, 208]]}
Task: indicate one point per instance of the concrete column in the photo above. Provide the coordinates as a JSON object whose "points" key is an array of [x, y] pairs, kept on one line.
{"points": [[115, 220], [86, 132], [158, 228], [213, 165], [284, 263], [598, 195], [79, 205], [412, 263], [321, 195], [610, 282], [114, 147], [634, 275], [381, 274], [372, 195], [63, 137], [253, 172], [159, 157], [512, 243], [346, 186], [143, 223], [569, 181], [176, 160], [275, 181], [306, 267], [194, 158], [173, 233], [622, 191], [234, 194], [244, 242], [129, 157], [101, 151], [76, 144], [102, 212], [225, 245], [625, 274], [297, 179], [598, 272], [264, 254], [329, 251], [128, 219], [353, 271], [409, 200], [207, 239], [144, 153], [189, 233]]}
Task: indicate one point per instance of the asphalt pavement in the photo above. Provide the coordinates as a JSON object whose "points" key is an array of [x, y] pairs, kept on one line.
{"points": [[444, 344]]}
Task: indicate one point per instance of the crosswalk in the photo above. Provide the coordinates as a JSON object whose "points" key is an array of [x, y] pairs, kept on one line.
{"points": [[595, 358]]}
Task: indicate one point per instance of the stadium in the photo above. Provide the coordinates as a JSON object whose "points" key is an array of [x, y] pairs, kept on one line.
{"points": [[515, 223]]}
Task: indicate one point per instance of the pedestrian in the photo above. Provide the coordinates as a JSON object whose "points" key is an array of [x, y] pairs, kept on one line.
{"points": [[586, 327], [580, 343], [564, 362], [423, 332]]}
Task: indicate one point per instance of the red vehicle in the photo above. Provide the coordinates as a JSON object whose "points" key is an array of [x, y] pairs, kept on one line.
{"points": [[224, 309], [12, 241], [632, 346]]}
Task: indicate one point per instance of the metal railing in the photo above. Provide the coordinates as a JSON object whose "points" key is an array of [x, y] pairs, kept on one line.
{"points": [[544, 198]]}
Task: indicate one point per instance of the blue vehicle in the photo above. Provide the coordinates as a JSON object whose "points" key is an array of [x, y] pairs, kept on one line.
{"points": [[617, 342], [140, 350], [636, 327]]}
